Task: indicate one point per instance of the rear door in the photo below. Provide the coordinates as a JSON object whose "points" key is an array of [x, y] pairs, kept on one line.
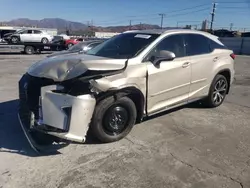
{"points": [[37, 36], [202, 63]]}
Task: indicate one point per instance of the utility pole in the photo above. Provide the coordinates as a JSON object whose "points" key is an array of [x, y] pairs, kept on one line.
{"points": [[162, 15], [231, 26], [212, 14], [130, 22]]}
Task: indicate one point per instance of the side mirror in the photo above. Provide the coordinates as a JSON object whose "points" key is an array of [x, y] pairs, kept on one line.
{"points": [[163, 55]]}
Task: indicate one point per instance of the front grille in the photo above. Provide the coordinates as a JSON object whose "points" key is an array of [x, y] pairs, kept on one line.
{"points": [[29, 93]]}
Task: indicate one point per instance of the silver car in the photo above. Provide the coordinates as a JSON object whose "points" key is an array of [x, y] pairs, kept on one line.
{"points": [[29, 35], [117, 84]]}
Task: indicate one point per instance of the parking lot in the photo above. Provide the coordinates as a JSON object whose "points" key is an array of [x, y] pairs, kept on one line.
{"points": [[187, 147]]}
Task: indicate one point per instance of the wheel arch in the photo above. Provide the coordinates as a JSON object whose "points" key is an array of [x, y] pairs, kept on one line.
{"points": [[133, 93]]}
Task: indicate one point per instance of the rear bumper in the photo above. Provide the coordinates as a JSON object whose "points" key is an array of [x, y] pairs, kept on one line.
{"points": [[60, 115]]}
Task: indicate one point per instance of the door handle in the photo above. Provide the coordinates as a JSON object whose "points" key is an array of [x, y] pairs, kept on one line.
{"points": [[215, 59], [186, 64]]}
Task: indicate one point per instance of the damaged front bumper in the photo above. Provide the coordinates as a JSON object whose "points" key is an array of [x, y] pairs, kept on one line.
{"points": [[54, 113]]}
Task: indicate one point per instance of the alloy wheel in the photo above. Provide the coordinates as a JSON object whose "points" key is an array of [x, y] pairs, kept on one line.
{"points": [[220, 90]]}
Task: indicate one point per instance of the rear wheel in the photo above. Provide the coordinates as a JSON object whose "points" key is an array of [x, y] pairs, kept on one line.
{"points": [[217, 92], [45, 40], [29, 50], [113, 119]]}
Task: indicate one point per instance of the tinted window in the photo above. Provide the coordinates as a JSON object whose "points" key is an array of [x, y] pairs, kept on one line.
{"points": [[123, 46], [23, 32], [172, 43], [37, 32], [30, 32], [214, 45], [196, 44]]}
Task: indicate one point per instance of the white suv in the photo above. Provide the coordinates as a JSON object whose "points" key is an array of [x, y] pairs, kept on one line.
{"points": [[119, 82], [30, 35]]}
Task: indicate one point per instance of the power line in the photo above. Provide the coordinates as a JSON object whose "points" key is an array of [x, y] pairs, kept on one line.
{"points": [[167, 13], [154, 18], [187, 13], [233, 7]]}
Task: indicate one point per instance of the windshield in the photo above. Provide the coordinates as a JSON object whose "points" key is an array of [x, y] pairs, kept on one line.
{"points": [[19, 31], [123, 46]]}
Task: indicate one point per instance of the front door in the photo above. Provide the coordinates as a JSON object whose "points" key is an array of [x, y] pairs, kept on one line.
{"points": [[168, 83], [26, 36]]}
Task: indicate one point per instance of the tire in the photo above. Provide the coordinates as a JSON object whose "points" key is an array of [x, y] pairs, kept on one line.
{"points": [[113, 119], [217, 89], [69, 45], [14, 40], [41, 138], [29, 50], [44, 41]]}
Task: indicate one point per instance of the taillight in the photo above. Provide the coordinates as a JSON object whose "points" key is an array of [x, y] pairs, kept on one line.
{"points": [[233, 56]]}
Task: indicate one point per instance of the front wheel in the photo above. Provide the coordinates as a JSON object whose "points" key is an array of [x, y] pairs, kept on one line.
{"points": [[69, 45], [217, 92], [113, 119], [14, 40]]}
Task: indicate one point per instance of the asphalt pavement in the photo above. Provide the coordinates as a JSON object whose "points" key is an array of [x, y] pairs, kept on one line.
{"points": [[187, 147]]}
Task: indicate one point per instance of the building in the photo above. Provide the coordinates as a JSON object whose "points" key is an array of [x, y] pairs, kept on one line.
{"points": [[12, 29], [105, 34], [204, 26]]}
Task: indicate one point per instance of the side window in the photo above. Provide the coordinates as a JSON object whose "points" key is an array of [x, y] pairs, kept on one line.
{"points": [[196, 44], [24, 32], [37, 32], [172, 43], [214, 45], [30, 32]]}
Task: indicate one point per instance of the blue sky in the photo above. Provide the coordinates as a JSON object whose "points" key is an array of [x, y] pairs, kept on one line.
{"points": [[118, 12]]}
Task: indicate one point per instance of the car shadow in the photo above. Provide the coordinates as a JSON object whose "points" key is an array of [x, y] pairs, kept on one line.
{"points": [[12, 138]]}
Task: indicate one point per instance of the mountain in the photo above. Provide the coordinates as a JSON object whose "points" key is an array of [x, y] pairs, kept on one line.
{"points": [[125, 28], [58, 23], [62, 24]]}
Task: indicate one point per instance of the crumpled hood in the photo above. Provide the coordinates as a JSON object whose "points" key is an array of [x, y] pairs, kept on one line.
{"points": [[65, 67]]}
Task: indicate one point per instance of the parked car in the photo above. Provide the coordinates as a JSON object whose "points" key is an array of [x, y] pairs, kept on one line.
{"points": [[71, 42], [133, 75], [29, 35], [80, 47]]}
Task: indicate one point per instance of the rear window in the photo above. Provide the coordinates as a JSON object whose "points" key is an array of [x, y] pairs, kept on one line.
{"points": [[215, 45]]}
